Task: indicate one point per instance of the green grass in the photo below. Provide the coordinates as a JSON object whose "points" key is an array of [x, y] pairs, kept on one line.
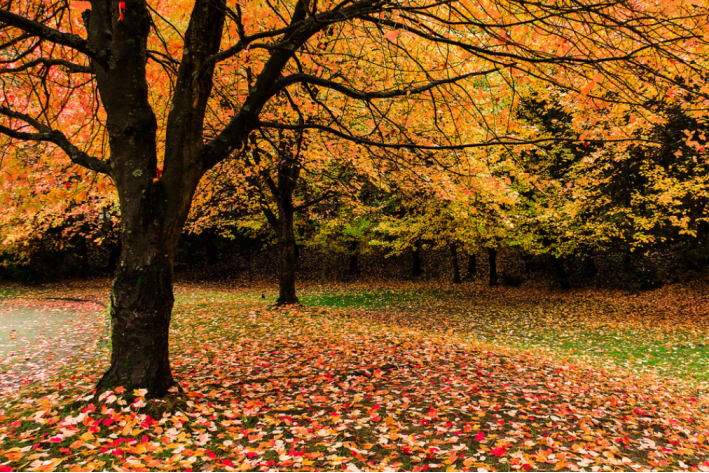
{"points": [[564, 329], [370, 300], [684, 354], [6, 292]]}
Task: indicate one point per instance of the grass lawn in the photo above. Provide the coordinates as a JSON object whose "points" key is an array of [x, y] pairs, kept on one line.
{"points": [[391, 378]]}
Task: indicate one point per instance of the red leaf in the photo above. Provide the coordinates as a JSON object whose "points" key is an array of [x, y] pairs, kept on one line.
{"points": [[498, 452], [480, 436]]}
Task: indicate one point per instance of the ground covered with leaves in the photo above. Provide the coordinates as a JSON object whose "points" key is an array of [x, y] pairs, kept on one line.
{"points": [[390, 378]]}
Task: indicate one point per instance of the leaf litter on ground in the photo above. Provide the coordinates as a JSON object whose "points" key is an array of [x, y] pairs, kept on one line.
{"points": [[406, 386]]}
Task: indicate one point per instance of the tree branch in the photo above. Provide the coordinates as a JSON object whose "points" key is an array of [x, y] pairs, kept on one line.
{"points": [[328, 193], [70, 66], [34, 28], [356, 94], [47, 134], [509, 141]]}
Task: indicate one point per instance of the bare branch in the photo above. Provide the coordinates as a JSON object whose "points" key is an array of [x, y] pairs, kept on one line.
{"points": [[356, 94], [53, 136], [70, 66], [52, 35]]}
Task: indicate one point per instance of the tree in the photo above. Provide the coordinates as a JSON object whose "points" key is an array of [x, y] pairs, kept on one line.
{"points": [[109, 93]]}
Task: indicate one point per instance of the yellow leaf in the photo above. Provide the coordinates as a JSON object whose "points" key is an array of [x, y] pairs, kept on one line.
{"points": [[87, 436], [138, 449]]}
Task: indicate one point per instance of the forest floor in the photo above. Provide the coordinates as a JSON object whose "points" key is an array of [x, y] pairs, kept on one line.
{"points": [[413, 377]]}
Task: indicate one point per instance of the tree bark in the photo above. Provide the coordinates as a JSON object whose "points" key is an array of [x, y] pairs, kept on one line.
{"points": [[454, 264], [114, 254], [353, 258], [141, 295], [561, 273], [141, 307], [84, 258], [492, 259], [282, 189], [416, 270], [472, 266], [287, 258]]}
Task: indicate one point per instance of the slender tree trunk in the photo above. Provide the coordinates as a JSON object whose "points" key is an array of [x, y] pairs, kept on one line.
{"points": [[492, 258], [84, 258], [287, 259], [561, 273], [472, 266], [702, 233], [114, 255], [248, 262], [353, 258], [416, 260], [454, 264]]}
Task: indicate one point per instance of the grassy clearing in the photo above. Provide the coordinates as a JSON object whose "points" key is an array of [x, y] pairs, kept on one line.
{"points": [[599, 332]]}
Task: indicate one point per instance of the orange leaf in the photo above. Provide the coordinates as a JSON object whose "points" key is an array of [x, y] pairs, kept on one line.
{"points": [[392, 35], [80, 5]]}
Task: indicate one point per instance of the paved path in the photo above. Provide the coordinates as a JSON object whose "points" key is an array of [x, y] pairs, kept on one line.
{"points": [[40, 337]]}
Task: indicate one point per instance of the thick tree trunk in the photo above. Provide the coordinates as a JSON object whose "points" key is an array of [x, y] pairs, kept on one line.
{"points": [[142, 300], [455, 271], [492, 258], [416, 260], [287, 259], [472, 266], [141, 307]]}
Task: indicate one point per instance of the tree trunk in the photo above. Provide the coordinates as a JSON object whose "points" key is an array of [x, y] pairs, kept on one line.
{"points": [[353, 259], [84, 257], [141, 305], [454, 264], [492, 258], [416, 260], [472, 266], [114, 254], [248, 262], [561, 274], [287, 259]]}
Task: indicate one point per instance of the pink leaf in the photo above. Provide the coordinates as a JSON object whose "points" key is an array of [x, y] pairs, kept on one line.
{"points": [[392, 35]]}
